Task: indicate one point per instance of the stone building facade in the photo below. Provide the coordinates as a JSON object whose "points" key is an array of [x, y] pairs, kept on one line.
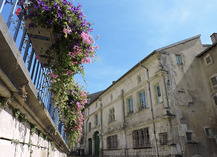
{"points": [[165, 105]]}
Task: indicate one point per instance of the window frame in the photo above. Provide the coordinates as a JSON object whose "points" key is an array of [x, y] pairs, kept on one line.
{"points": [[208, 132], [179, 60], [159, 98], [215, 99], [205, 60], [112, 142], [144, 104], [96, 120], [139, 79], [141, 138], [130, 105], [163, 138], [111, 115], [89, 127], [211, 81], [189, 137]]}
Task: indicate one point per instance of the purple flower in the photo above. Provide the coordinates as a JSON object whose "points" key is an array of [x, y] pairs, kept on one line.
{"points": [[60, 15], [57, 36], [90, 29], [31, 25], [79, 5], [36, 6], [46, 8], [39, 2], [50, 22], [20, 2], [70, 4], [64, 2]]}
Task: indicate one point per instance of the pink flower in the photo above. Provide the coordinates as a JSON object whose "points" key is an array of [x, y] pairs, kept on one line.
{"points": [[37, 56], [67, 30], [69, 72], [53, 75], [96, 47], [98, 36]]}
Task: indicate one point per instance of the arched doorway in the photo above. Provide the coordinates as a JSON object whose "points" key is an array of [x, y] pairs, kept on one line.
{"points": [[90, 146], [96, 143]]}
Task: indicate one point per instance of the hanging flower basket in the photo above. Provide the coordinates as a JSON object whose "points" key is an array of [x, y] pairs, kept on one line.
{"points": [[42, 40], [61, 38]]}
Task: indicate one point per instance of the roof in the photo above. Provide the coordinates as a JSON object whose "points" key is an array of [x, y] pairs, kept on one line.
{"points": [[93, 97], [179, 42], [207, 49], [98, 94]]}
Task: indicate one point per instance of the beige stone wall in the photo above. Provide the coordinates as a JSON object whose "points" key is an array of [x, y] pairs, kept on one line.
{"points": [[186, 105], [16, 140]]}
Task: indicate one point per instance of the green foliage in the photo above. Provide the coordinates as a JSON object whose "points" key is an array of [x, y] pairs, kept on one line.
{"points": [[33, 129], [18, 115]]}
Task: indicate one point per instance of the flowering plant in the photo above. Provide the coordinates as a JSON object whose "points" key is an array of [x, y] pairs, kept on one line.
{"points": [[73, 46]]}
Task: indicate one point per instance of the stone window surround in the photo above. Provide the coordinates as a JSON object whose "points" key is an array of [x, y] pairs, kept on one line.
{"points": [[130, 109], [141, 138], [205, 59], [212, 80], [112, 142], [158, 93], [141, 107], [179, 59], [111, 114]]}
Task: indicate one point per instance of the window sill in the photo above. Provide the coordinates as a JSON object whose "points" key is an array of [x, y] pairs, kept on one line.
{"points": [[142, 109], [130, 114], [158, 103], [112, 122], [192, 142], [143, 147]]}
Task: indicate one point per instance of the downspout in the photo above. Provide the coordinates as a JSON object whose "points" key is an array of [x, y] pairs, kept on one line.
{"points": [[86, 143], [166, 92], [101, 127], [124, 124], [152, 112]]}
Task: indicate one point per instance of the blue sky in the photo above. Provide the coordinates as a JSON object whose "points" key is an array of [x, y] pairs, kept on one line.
{"points": [[131, 29]]}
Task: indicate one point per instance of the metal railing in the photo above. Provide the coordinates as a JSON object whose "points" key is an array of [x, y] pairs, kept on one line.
{"points": [[35, 68]]}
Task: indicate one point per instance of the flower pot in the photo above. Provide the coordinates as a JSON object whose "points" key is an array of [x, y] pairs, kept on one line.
{"points": [[41, 39]]}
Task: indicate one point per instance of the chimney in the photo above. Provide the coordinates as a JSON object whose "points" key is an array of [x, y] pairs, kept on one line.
{"points": [[214, 37]]}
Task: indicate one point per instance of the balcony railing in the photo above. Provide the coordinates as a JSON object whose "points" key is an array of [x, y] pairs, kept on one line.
{"points": [[36, 69]]}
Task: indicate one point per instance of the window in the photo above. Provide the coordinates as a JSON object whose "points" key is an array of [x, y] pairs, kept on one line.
{"points": [[141, 138], [130, 105], [96, 119], [163, 138], [139, 79], [208, 132], [215, 99], [208, 60], [112, 142], [89, 126], [214, 80], [142, 100], [189, 137], [178, 59], [111, 97], [112, 115], [96, 104], [158, 93]]}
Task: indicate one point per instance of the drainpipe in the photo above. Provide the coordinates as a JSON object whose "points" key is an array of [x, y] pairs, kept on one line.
{"points": [[101, 127], [152, 112], [166, 92], [124, 124]]}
